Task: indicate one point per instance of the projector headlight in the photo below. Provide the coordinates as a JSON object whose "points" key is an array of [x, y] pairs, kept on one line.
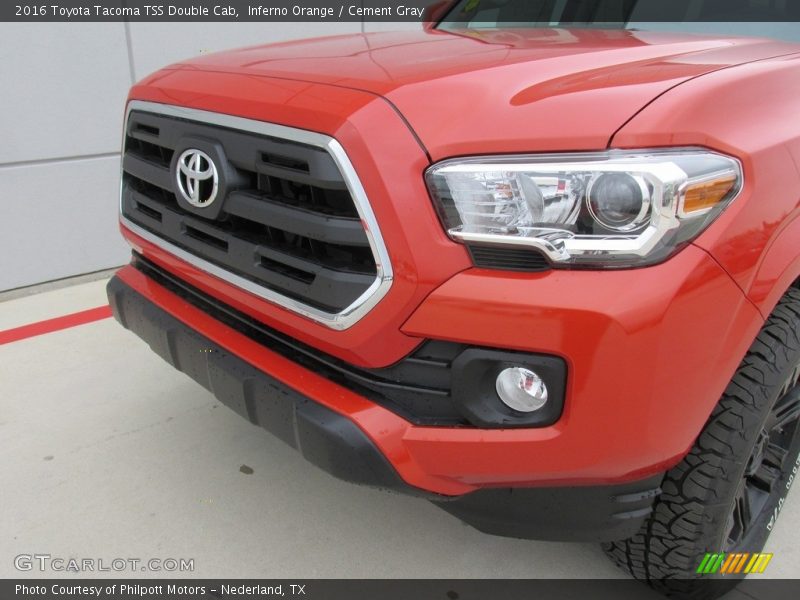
{"points": [[610, 209]]}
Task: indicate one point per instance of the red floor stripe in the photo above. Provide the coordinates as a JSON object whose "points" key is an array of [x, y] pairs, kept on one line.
{"points": [[57, 324]]}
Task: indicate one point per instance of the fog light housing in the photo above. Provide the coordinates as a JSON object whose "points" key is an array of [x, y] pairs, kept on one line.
{"points": [[521, 389], [497, 389]]}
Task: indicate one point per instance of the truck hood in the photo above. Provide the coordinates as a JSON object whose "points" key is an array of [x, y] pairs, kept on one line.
{"points": [[520, 90]]}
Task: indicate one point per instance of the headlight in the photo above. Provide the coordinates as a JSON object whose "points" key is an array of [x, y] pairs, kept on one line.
{"points": [[611, 209]]}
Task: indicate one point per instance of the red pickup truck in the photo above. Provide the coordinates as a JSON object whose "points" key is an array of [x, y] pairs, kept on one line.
{"points": [[544, 277]]}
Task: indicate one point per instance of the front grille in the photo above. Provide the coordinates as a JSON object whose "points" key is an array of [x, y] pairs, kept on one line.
{"points": [[285, 219]]}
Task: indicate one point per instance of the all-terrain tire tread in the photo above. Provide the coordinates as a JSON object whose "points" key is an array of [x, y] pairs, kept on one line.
{"points": [[686, 517]]}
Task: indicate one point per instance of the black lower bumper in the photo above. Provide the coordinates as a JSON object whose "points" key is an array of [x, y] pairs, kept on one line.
{"points": [[325, 438], [335, 444]]}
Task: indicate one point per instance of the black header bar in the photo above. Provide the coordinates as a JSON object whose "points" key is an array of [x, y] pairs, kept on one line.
{"points": [[540, 13]]}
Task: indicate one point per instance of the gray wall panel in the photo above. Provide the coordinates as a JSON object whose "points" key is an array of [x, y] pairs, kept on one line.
{"points": [[63, 89], [58, 219]]}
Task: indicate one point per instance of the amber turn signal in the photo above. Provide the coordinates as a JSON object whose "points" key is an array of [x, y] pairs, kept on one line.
{"points": [[705, 195]]}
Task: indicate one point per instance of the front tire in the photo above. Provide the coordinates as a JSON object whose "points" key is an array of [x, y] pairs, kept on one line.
{"points": [[727, 494]]}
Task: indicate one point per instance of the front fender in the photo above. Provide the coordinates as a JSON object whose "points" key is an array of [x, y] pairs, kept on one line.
{"points": [[780, 267]]}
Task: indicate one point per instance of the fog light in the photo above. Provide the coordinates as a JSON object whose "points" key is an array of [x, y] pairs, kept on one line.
{"points": [[521, 389]]}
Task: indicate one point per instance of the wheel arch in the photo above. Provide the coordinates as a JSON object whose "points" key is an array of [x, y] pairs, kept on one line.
{"points": [[779, 268]]}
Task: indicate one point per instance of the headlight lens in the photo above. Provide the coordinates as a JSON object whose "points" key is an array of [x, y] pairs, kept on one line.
{"points": [[619, 201], [612, 209]]}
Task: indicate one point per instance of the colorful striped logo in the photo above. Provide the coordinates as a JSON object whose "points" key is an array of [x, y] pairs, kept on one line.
{"points": [[731, 564]]}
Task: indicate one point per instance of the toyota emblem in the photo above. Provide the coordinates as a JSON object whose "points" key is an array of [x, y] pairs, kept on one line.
{"points": [[197, 178]]}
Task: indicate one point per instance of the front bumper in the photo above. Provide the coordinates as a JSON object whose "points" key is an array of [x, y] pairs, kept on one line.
{"points": [[648, 353], [333, 442]]}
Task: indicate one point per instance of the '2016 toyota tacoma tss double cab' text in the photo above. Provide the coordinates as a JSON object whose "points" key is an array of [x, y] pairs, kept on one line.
{"points": [[544, 276]]}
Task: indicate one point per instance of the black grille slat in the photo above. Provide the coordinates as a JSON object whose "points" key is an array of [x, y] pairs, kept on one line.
{"points": [[508, 258], [158, 196], [286, 269], [145, 133], [328, 202], [324, 228], [146, 170], [146, 211], [285, 220], [205, 237], [304, 178]]}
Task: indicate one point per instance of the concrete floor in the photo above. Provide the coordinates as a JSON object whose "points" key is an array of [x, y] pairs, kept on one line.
{"points": [[110, 453]]}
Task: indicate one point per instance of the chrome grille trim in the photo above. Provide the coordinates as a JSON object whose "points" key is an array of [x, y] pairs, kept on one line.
{"points": [[384, 273]]}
